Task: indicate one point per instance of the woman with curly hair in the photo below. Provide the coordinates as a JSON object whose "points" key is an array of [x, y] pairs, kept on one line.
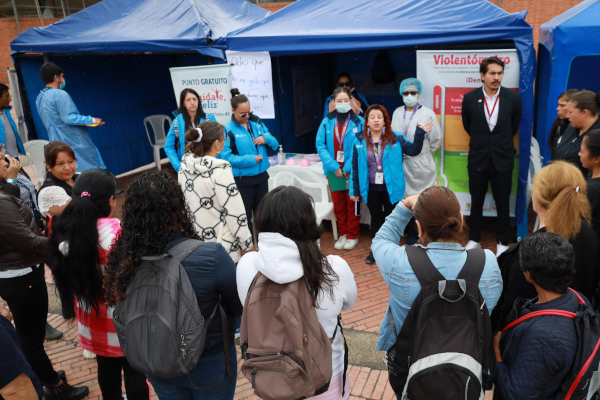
{"points": [[155, 219], [80, 242], [377, 176]]}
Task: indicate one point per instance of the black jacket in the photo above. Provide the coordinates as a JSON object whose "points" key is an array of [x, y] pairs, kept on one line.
{"points": [[212, 274], [497, 144]]}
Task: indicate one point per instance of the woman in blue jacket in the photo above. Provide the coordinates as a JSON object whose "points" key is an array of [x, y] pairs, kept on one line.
{"points": [[334, 145], [376, 175], [189, 115], [246, 141]]}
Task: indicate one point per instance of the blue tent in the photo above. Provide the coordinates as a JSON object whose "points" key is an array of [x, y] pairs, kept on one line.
{"points": [[116, 56], [309, 27], [568, 58]]}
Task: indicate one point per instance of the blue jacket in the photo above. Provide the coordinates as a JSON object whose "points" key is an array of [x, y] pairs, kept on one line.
{"points": [[354, 94], [212, 274], [537, 354], [393, 174], [241, 152], [3, 134], [175, 154], [448, 258], [326, 141]]}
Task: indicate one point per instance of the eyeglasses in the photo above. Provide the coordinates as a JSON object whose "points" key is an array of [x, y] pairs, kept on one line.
{"points": [[410, 93], [243, 115], [345, 84]]}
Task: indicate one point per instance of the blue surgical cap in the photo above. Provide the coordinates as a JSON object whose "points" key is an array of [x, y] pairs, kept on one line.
{"points": [[411, 83]]}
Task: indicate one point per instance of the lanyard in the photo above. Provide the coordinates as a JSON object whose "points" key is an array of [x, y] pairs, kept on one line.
{"points": [[342, 136], [250, 130], [405, 129], [487, 109], [379, 153]]}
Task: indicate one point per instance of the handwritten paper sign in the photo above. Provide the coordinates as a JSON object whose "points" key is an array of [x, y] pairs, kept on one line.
{"points": [[251, 74], [213, 85]]}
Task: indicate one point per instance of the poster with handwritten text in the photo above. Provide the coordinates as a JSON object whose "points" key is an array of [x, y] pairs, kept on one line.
{"points": [[251, 74]]}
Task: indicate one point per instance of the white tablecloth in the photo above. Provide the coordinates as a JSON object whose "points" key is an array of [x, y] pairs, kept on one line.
{"points": [[313, 173]]}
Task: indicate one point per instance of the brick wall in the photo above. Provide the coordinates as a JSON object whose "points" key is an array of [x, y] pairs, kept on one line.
{"points": [[274, 6]]}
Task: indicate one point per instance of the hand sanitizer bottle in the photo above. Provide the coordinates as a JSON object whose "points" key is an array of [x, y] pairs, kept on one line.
{"points": [[280, 156]]}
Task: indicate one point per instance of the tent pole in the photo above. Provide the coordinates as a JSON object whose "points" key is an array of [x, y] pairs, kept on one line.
{"points": [[16, 16], [63, 8], [39, 11]]}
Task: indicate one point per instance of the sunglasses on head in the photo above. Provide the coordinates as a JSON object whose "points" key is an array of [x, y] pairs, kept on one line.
{"points": [[410, 93], [243, 115], [344, 84]]}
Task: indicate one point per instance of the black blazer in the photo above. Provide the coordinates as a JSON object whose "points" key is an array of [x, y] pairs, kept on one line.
{"points": [[497, 144]]}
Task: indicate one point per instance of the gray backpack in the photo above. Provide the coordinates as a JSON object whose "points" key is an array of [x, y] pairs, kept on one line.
{"points": [[159, 324]]}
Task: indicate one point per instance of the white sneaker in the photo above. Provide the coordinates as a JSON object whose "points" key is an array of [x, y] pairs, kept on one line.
{"points": [[472, 245], [340, 243], [88, 354], [500, 248], [350, 244]]}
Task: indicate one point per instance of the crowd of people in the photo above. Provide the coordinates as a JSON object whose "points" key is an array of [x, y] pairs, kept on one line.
{"points": [[221, 207]]}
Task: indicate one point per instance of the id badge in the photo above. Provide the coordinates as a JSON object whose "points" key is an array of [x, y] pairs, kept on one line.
{"points": [[340, 156], [379, 178]]}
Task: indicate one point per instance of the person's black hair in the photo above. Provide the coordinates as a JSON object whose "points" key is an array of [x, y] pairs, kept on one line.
{"points": [[237, 98], [339, 90], [592, 142], [78, 273], [550, 260], [48, 71], [289, 211], [152, 212], [560, 125], [586, 100], [183, 111], [341, 75], [483, 67], [3, 88], [211, 131]]}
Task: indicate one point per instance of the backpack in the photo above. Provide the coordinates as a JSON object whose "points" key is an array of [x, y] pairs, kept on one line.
{"points": [[444, 349], [583, 380], [286, 352], [159, 324], [383, 69]]}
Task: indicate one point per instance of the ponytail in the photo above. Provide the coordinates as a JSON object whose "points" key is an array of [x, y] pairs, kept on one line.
{"points": [[566, 212]]}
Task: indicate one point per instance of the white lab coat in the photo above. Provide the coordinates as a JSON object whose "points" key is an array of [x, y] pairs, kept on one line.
{"points": [[420, 171]]}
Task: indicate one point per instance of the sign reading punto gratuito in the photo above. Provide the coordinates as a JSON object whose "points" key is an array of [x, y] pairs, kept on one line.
{"points": [[251, 74], [446, 77]]}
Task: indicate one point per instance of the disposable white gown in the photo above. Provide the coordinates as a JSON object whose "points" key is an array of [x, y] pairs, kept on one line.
{"points": [[63, 122], [419, 171]]}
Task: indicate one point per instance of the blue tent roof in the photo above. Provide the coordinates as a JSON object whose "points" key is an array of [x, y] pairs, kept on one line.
{"points": [[113, 26], [327, 26], [576, 32]]}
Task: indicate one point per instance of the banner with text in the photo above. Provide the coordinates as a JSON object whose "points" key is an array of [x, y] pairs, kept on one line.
{"points": [[251, 74], [212, 82], [446, 77]]}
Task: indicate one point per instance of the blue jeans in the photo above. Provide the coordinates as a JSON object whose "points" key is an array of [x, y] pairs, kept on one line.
{"points": [[208, 380]]}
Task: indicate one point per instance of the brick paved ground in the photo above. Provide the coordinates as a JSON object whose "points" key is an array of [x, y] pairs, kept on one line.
{"points": [[365, 383]]}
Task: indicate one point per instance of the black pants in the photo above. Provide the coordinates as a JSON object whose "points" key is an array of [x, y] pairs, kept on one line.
{"points": [[109, 379], [501, 183], [380, 207], [27, 298], [252, 195]]}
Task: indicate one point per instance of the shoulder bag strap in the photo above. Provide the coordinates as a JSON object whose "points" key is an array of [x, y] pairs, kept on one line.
{"points": [[181, 250], [473, 268], [559, 313], [422, 266]]}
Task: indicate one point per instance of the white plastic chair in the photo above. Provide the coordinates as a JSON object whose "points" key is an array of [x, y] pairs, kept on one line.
{"points": [[323, 207], [35, 153], [157, 122]]}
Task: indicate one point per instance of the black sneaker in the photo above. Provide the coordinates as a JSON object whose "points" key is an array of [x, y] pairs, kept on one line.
{"points": [[51, 333], [370, 259], [66, 392]]}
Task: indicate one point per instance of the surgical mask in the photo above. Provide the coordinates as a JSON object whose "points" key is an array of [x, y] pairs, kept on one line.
{"points": [[410, 100], [343, 108], [62, 85]]}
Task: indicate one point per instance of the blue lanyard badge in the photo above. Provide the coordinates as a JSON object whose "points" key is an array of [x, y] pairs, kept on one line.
{"points": [[250, 131], [342, 136], [405, 129], [377, 153]]}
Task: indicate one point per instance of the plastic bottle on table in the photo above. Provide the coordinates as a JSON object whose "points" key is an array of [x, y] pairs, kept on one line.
{"points": [[280, 156]]}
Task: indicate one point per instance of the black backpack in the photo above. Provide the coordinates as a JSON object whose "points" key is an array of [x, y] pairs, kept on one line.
{"points": [[444, 349], [383, 69], [583, 380]]}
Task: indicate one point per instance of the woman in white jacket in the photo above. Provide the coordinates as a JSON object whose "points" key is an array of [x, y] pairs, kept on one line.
{"points": [[211, 193], [287, 232]]}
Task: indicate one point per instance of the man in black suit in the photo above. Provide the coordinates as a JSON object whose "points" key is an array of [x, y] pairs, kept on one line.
{"points": [[491, 116]]}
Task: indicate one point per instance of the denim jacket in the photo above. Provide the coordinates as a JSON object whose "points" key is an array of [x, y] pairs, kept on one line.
{"points": [[448, 258]]}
